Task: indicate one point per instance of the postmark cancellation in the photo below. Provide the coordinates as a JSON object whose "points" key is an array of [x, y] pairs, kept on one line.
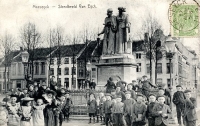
{"points": [[184, 19]]}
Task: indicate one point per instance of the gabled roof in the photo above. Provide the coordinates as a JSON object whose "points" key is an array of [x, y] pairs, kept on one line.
{"points": [[98, 50], [68, 50], [36, 54], [10, 57], [87, 52]]}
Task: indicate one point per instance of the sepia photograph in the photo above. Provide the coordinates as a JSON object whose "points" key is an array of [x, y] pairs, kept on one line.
{"points": [[99, 63]]}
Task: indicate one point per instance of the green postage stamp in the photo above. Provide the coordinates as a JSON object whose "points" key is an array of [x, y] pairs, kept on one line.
{"points": [[185, 20]]}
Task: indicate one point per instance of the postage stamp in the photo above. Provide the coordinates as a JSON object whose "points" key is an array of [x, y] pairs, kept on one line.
{"points": [[185, 20]]}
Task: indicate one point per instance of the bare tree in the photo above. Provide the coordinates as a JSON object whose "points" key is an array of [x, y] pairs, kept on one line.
{"points": [[150, 30], [30, 39], [7, 46]]}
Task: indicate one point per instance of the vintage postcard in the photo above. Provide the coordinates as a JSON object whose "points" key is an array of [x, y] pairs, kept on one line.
{"points": [[99, 62]]}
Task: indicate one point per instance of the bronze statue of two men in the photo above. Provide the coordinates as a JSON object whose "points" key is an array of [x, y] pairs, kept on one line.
{"points": [[116, 30]]}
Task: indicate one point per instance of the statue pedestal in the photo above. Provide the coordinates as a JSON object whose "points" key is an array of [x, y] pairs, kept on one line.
{"points": [[117, 66]]}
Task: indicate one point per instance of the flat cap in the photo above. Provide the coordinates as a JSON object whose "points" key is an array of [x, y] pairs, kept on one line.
{"points": [[186, 91], [178, 85], [152, 94], [158, 96], [108, 94], [139, 94], [144, 76], [109, 10]]}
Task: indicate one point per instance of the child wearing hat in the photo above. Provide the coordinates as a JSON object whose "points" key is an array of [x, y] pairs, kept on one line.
{"points": [[67, 106], [13, 111], [161, 91], [92, 105], [161, 111], [149, 113], [189, 115], [130, 89], [178, 100], [61, 103], [102, 115], [26, 112], [139, 112], [117, 110], [107, 106], [128, 103], [3, 115]]}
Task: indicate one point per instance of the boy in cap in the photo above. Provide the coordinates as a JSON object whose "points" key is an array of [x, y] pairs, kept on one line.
{"points": [[130, 89], [178, 100], [67, 106], [149, 113], [120, 93], [139, 111], [92, 105], [161, 91], [61, 103], [146, 86], [161, 112], [118, 112], [128, 103], [107, 106], [190, 116]]}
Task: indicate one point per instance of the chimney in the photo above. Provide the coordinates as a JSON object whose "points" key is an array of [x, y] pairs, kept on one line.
{"points": [[21, 48]]}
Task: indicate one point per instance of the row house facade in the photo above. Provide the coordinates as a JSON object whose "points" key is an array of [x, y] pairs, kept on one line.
{"points": [[183, 67]]}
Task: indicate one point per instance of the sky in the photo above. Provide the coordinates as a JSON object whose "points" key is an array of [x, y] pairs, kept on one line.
{"points": [[15, 13]]}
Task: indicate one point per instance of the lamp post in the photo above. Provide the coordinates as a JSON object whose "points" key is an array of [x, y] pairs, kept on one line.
{"points": [[88, 67], [195, 64], [170, 51], [25, 57]]}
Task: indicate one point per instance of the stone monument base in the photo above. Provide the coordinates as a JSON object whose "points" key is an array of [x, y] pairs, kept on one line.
{"points": [[118, 66]]}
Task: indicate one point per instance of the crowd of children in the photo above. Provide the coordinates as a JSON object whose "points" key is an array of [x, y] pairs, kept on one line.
{"points": [[139, 110], [48, 108]]}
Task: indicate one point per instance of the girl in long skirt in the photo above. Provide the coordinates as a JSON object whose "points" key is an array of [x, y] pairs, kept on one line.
{"points": [[26, 110], [38, 115]]}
